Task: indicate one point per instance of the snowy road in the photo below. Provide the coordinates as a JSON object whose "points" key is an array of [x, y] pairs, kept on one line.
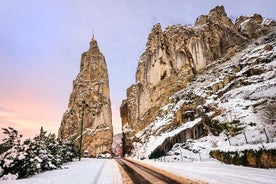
{"points": [[103, 171], [140, 174]]}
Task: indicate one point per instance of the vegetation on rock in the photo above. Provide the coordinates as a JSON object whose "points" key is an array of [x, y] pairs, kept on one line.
{"points": [[254, 158]]}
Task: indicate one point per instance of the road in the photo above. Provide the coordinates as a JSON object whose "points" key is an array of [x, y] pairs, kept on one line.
{"points": [[141, 174]]}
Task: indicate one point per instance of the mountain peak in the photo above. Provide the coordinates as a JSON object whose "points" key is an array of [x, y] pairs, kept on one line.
{"points": [[218, 16], [93, 43]]}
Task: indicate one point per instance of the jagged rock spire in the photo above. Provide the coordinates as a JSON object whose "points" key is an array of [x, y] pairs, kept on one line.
{"points": [[93, 43], [91, 86], [216, 16]]}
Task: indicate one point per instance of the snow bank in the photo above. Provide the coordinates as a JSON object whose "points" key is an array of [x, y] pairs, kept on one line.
{"points": [[100, 171], [216, 172]]}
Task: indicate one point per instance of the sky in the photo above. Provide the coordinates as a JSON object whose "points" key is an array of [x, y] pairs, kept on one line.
{"points": [[41, 43]]}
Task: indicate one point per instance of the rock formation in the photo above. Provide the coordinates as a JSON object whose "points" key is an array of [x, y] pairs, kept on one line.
{"points": [[91, 87], [174, 56]]}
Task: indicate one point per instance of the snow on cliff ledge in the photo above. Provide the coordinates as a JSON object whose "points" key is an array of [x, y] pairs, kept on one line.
{"points": [[251, 88]]}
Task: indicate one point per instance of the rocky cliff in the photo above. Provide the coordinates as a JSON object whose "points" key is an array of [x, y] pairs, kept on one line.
{"points": [[91, 97], [172, 60]]}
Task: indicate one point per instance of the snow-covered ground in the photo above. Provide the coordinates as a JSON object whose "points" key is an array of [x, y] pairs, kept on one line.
{"points": [[103, 171], [87, 171], [215, 172]]}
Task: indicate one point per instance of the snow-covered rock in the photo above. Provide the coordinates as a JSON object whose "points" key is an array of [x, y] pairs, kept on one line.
{"points": [[238, 86]]}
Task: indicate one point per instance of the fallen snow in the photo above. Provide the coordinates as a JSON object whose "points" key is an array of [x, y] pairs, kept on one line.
{"points": [[154, 141], [102, 171], [215, 172], [98, 171]]}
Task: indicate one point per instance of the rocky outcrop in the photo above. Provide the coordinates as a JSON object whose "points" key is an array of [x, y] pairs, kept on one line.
{"points": [[253, 158], [253, 26], [91, 97], [172, 59]]}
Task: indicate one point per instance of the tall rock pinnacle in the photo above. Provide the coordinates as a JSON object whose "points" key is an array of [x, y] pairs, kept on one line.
{"points": [[92, 88]]}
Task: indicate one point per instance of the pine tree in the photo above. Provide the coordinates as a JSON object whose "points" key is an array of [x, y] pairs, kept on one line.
{"points": [[11, 159], [42, 153]]}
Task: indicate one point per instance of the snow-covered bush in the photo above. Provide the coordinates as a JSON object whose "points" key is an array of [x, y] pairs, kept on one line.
{"points": [[44, 152]]}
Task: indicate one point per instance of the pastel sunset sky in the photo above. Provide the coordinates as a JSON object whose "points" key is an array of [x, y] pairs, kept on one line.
{"points": [[41, 43]]}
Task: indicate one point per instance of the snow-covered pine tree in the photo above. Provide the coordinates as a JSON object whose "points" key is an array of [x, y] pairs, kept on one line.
{"points": [[68, 150], [55, 150], [11, 160], [12, 139], [42, 153]]}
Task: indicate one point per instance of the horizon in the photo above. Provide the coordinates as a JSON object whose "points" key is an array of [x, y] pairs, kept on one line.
{"points": [[41, 44]]}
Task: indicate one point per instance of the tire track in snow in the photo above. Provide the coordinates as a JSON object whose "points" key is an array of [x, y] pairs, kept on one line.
{"points": [[99, 173]]}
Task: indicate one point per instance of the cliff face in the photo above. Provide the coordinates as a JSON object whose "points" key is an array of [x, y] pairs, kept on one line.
{"points": [[168, 51], [172, 59], [92, 87]]}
